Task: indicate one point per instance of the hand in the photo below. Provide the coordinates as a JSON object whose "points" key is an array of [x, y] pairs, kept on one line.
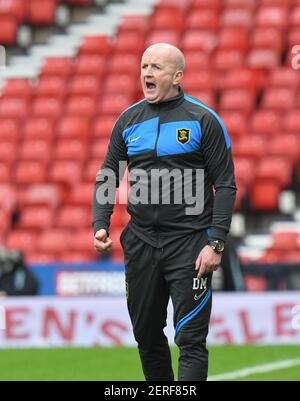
{"points": [[208, 260], [102, 243]]}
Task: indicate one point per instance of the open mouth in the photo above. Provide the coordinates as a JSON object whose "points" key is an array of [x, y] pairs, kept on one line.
{"points": [[150, 85]]}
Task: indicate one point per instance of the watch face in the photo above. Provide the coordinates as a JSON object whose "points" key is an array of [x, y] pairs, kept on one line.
{"points": [[220, 247]]}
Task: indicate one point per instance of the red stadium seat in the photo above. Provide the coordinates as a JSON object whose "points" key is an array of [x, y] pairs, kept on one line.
{"points": [[237, 17], [70, 149], [239, 78], [292, 121], [8, 32], [85, 106], [5, 173], [36, 149], [9, 129], [17, 87], [123, 63], [293, 37], [50, 85], [250, 146], [88, 85], [103, 126], [195, 40], [264, 195], [41, 12], [203, 19], [272, 16], [73, 217], [83, 241], [93, 64], [278, 98], [263, 58], [129, 42], [120, 83], [240, 4], [285, 240], [16, 8], [22, 240], [47, 106], [265, 122], [114, 104], [8, 197], [8, 151], [205, 4], [163, 36], [228, 59], [207, 97], [278, 169], [41, 195], [73, 127], [284, 77], [82, 194], [171, 5], [30, 172], [233, 38], [198, 80], [60, 66], [39, 128], [267, 38], [235, 99], [13, 107], [99, 149], [294, 18], [36, 217], [96, 44], [196, 60], [138, 24], [285, 145], [55, 240], [235, 122], [65, 172], [244, 170], [91, 170], [168, 19]]}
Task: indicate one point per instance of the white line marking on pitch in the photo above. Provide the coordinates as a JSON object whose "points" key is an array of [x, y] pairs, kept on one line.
{"points": [[269, 367]]}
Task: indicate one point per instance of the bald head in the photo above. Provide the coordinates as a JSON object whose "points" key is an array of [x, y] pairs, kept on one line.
{"points": [[161, 72], [169, 53]]}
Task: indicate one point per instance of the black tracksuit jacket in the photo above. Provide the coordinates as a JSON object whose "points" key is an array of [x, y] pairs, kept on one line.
{"points": [[179, 133]]}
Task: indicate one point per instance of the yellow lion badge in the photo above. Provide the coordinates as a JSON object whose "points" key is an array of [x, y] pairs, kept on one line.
{"points": [[183, 135]]}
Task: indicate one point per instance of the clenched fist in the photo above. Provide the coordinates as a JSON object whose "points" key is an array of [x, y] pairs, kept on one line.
{"points": [[102, 243]]}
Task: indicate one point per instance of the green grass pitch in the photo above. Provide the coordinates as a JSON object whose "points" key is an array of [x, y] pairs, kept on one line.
{"points": [[123, 363]]}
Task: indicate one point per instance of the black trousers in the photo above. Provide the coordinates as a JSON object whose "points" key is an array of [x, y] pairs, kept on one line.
{"points": [[153, 275]]}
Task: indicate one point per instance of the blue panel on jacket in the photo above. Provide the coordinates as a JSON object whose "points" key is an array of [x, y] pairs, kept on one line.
{"points": [[140, 138], [179, 137]]}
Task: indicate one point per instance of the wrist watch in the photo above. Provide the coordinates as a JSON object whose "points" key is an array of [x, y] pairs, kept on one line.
{"points": [[217, 245]]}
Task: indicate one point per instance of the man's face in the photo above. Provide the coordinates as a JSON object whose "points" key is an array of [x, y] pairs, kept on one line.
{"points": [[158, 76]]}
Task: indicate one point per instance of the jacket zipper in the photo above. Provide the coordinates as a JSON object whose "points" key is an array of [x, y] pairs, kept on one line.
{"points": [[155, 212]]}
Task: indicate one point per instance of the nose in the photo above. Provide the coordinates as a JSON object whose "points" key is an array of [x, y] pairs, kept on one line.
{"points": [[148, 71]]}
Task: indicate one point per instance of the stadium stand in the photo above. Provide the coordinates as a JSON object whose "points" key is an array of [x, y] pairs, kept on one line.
{"points": [[56, 114]]}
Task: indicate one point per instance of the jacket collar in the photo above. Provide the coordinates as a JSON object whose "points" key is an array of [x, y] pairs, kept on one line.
{"points": [[169, 104]]}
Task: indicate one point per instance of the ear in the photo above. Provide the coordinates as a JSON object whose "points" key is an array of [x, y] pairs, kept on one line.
{"points": [[177, 77]]}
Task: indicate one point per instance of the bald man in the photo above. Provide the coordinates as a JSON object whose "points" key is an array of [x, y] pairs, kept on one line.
{"points": [[182, 193]]}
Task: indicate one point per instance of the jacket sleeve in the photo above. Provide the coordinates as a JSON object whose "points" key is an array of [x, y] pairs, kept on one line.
{"points": [[108, 179], [219, 164]]}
